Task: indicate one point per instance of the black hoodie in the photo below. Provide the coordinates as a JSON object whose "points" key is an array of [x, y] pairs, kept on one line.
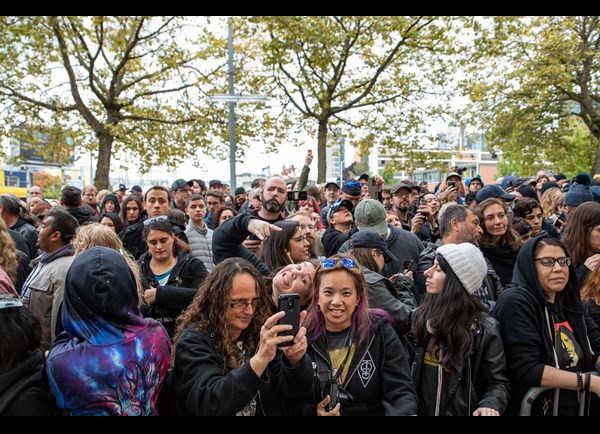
{"points": [[527, 327], [21, 389]]}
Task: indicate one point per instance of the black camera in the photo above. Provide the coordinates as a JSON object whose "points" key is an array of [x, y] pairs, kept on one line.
{"points": [[337, 394], [297, 195], [460, 170]]}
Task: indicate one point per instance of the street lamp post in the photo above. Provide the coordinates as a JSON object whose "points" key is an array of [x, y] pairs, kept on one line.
{"points": [[231, 98]]}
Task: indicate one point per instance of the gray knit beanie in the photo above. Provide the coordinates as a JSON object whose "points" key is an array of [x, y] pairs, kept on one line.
{"points": [[467, 262]]}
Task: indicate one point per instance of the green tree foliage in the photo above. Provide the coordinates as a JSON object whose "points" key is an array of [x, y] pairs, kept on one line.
{"points": [[534, 83], [372, 78], [130, 85]]}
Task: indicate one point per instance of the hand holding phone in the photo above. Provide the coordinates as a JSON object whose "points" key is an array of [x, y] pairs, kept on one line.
{"points": [[451, 184], [406, 266], [290, 304]]}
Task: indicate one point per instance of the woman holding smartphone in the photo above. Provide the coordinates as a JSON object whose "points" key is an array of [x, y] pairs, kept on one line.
{"points": [[360, 366], [226, 357]]}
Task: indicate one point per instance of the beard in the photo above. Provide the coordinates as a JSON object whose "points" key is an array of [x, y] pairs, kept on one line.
{"points": [[403, 208], [273, 206]]}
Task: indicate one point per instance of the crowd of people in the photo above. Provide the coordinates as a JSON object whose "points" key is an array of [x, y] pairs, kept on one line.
{"points": [[450, 300]]}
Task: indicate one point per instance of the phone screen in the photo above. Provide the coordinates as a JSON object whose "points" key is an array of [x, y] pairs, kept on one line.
{"points": [[406, 266], [372, 185], [290, 304], [451, 184]]}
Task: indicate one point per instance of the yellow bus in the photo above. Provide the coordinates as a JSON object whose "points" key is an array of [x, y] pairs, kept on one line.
{"points": [[20, 192]]}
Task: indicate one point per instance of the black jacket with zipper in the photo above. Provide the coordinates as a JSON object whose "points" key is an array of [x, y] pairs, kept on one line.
{"points": [[527, 327], [204, 387], [174, 297], [481, 380], [378, 379]]}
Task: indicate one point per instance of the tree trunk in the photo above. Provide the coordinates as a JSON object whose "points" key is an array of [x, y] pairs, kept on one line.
{"points": [[322, 151], [596, 166], [103, 165]]}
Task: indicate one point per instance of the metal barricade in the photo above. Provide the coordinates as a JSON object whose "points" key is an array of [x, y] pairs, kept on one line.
{"points": [[533, 393]]}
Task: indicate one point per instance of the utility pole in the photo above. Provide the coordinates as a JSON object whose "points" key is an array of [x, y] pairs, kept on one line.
{"points": [[231, 98]]}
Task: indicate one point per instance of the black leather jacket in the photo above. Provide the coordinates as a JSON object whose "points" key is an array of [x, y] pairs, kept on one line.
{"points": [[481, 381]]}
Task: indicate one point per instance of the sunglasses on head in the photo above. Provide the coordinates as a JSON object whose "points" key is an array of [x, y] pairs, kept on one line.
{"points": [[8, 301], [331, 263], [158, 219], [353, 184]]}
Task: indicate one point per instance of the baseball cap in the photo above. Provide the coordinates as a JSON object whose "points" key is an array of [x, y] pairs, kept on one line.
{"points": [[363, 176], [239, 190], [121, 187], [335, 207], [370, 214], [332, 183], [451, 174], [180, 183], [372, 240], [493, 190], [398, 186], [136, 189], [214, 182]]}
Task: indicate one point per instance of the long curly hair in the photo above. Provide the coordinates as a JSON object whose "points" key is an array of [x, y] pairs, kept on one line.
{"points": [[210, 304], [450, 315], [9, 260], [590, 291], [577, 233]]}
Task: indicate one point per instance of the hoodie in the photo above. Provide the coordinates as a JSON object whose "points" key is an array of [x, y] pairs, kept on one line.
{"points": [[110, 360], [527, 327]]}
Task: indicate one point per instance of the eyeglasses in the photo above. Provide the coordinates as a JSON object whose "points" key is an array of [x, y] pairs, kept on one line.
{"points": [[8, 301], [300, 239], [331, 263], [157, 219], [549, 262], [402, 194], [242, 304]]}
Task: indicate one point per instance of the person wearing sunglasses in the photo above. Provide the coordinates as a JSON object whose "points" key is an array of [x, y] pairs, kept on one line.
{"points": [[22, 391], [226, 358], [550, 339], [360, 365]]}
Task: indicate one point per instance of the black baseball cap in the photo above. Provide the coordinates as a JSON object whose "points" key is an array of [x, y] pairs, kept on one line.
{"points": [[121, 187], [180, 183], [372, 240]]}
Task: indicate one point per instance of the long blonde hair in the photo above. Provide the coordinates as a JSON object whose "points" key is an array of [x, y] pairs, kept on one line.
{"points": [[9, 260], [95, 234]]}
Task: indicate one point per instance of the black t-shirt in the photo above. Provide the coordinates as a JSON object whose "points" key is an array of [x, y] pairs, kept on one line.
{"points": [[427, 389], [337, 349], [570, 358]]}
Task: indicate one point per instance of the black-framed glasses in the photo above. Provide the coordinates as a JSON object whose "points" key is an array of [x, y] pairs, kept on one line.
{"points": [[242, 304], [548, 261], [331, 263], [157, 219], [9, 301]]}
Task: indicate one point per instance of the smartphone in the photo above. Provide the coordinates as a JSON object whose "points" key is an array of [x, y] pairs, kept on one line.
{"points": [[423, 202], [372, 185], [295, 196], [290, 304], [406, 266], [451, 184], [310, 152]]}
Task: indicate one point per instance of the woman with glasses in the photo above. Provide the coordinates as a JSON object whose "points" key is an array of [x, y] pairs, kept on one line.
{"points": [[171, 275], [549, 337], [226, 356], [360, 366]]}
